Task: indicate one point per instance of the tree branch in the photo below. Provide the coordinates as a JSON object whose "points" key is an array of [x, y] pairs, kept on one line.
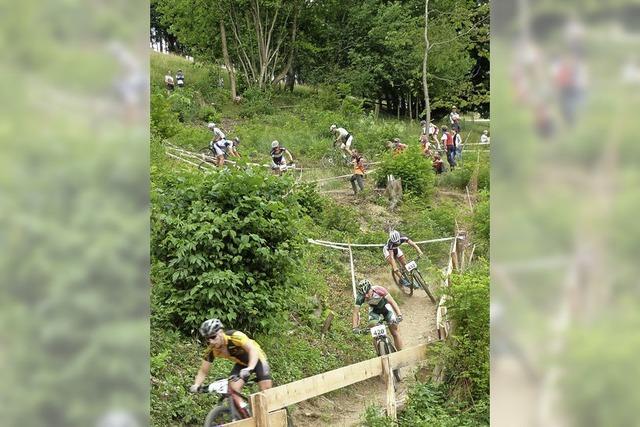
{"points": [[473, 27]]}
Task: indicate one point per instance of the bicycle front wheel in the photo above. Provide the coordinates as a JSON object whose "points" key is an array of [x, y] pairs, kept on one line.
{"points": [[396, 372], [417, 277], [406, 288], [207, 154], [218, 416]]}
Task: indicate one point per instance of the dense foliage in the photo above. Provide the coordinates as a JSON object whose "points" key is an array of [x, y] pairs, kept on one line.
{"points": [[412, 168], [226, 246]]}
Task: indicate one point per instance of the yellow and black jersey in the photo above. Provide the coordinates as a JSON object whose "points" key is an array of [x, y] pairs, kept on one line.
{"points": [[234, 344]]}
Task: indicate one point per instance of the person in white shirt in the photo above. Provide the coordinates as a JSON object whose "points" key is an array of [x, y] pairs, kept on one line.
{"points": [[484, 138], [218, 144], [168, 80], [344, 138], [457, 141], [454, 118]]}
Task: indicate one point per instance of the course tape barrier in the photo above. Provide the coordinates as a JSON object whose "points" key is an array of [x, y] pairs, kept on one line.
{"points": [[339, 245]]}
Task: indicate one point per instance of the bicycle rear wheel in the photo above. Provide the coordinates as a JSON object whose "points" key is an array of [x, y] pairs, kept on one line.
{"points": [[417, 277], [218, 416], [397, 277], [207, 154]]}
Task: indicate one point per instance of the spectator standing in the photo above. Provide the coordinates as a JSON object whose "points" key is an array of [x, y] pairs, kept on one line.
{"points": [[168, 80], [358, 172], [484, 138], [447, 140], [454, 118]]}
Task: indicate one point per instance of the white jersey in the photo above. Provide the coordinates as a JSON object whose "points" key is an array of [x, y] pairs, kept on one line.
{"points": [[484, 139], [218, 134], [342, 134]]}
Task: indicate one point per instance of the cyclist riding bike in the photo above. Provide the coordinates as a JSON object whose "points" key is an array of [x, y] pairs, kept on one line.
{"points": [[236, 347], [382, 306], [344, 138], [218, 144], [277, 157], [393, 253]]}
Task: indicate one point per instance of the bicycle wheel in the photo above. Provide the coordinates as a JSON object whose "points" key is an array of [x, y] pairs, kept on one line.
{"points": [[207, 154], [397, 277], [417, 277], [218, 416], [383, 348]]}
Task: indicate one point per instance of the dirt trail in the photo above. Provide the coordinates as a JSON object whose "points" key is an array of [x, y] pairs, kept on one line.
{"points": [[345, 407]]}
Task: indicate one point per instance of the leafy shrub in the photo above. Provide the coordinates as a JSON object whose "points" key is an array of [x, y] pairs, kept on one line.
{"points": [[412, 167], [428, 405], [339, 218], [226, 247], [351, 106], [257, 102], [467, 358], [374, 417], [443, 217], [208, 114], [481, 217], [164, 122], [183, 106]]}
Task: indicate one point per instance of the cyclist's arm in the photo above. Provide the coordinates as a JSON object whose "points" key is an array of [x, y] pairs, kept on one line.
{"points": [[290, 156], [414, 246], [394, 304], [356, 316], [202, 373], [254, 355], [392, 260]]}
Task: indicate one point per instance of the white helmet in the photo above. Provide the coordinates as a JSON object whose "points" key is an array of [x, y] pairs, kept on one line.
{"points": [[485, 131], [210, 327], [211, 125], [394, 236], [275, 144], [332, 128]]}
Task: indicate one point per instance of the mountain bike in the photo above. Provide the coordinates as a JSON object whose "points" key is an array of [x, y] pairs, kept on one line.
{"points": [[231, 406], [382, 344], [412, 278]]}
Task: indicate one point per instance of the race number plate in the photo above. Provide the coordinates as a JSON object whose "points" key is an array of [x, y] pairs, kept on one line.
{"points": [[379, 330], [411, 265], [219, 386]]}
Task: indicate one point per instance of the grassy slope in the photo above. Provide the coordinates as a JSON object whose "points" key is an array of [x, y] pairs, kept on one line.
{"points": [[299, 350]]}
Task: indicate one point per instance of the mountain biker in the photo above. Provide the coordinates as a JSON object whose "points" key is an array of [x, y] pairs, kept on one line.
{"points": [[396, 146], [382, 306], [344, 137], [277, 157], [237, 347], [392, 251], [218, 143]]}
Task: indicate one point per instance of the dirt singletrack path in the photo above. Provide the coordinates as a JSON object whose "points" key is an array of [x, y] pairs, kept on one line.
{"points": [[345, 407]]}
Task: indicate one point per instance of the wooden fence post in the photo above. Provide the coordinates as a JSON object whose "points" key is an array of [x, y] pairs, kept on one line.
{"points": [[259, 407], [387, 374], [460, 247]]}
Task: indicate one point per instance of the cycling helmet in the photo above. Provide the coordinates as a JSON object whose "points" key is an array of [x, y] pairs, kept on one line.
{"points": [[363, 286], [423, 122], [211, 125], [275, 144], [396, 140], [394, 236], [485, 132], [210, 327], [332, 128]]}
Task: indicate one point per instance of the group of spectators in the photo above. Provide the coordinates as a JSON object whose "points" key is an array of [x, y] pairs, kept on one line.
{"points": [[171, 83]]}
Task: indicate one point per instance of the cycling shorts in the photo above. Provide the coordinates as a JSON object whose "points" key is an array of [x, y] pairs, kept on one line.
{"points": [[262, 370], [387, 314], [397, 251]]}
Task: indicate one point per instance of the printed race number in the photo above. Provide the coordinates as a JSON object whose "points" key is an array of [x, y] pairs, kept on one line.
{"points": [[379, 330], [219, 386], [411, 266]]}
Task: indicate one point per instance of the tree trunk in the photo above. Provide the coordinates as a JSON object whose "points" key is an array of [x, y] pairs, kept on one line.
{"points": [[427, 107], [227, 62], [410, 111]]}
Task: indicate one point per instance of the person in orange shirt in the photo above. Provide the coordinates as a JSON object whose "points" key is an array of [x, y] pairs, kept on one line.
{"points": [[397, 146], [358, 172]]}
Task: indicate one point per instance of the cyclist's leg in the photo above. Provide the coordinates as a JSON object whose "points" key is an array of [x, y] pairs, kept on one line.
{"points": [[392, 321], [263, 375], [239, 382], [389, 257]]}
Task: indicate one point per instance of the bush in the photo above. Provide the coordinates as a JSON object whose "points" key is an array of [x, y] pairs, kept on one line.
{"points": [[481, 217], [208, 114], [225, 245], [182, 105], [467, 358], [257, 102], [164, 122], [412, 167]]}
